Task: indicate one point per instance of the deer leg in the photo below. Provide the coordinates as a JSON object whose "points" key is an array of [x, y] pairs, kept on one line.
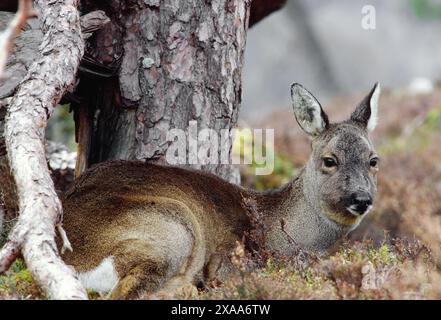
{"points": [[146, 277], [146, 265], [180, 284]]}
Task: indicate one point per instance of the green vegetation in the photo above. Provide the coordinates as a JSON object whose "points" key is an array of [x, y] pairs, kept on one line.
{"points": [[61, 127], [17, 283], [426, 9], [283, 171], [418, 137]]}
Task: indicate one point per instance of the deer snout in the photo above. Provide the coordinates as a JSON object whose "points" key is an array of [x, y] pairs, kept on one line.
{"points": [[359, 203]]}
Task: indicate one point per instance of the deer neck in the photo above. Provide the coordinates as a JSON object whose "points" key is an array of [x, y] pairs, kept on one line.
{"points": [[291, 217]]}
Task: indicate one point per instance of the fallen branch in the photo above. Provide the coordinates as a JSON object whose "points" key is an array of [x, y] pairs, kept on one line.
{"points": [[7, 37], [48, 78]]}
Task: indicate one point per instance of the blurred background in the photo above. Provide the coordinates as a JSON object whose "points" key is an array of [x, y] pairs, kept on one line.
{"points": [[321, 44]]}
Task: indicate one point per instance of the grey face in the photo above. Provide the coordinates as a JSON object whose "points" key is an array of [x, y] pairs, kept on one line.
{"points": [[344, 167], [341, 173]]}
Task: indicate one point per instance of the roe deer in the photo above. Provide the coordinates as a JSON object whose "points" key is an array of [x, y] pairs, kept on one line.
{"points": [[140, 228]]}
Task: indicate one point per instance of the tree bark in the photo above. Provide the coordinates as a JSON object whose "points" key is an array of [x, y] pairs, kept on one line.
{"points": [[179, 61], [48, 78]]}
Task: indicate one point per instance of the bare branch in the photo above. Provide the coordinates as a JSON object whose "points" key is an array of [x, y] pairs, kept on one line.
{"points": [[48, 78], [8, 254], [8, 36]]}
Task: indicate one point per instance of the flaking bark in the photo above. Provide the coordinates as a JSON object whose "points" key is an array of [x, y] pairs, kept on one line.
{"points": [[179, 61], [47, 79]]}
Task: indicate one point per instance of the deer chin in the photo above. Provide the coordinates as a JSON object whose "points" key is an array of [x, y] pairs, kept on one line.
{"points": [[344, 218]]}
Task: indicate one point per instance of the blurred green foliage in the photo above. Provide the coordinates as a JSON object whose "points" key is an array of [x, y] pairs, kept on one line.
{"points": [[418, 139], [426, 9], [433, 119], [283, 172], [61, 127]]}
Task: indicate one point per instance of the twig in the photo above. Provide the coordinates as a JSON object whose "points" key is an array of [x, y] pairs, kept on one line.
{"points": [[282, 226], [8, 254], [414, 124], [8, 36], [64, 239]]}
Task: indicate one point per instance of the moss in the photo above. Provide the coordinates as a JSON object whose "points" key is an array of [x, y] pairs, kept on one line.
{"points": [[381, 256], [18, 283]]}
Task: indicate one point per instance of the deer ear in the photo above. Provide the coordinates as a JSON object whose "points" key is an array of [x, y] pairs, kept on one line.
{"points": [[366, 112], [308, 111]]}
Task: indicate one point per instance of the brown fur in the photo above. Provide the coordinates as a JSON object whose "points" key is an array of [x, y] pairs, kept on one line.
{"points": [[113, 199]]}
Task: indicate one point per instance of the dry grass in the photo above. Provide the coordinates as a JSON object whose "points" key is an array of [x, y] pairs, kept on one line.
{"points": [[400, 270]]}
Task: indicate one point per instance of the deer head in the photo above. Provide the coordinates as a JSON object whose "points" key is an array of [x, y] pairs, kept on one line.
{"points": [[340, 176]]}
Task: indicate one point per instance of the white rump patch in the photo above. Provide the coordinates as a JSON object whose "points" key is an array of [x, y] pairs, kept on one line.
{"points": [[102, 279], [372, 123]]}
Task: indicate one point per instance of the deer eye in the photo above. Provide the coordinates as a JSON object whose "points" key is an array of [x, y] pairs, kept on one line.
{"points": [[329, 162], [374, 162]]}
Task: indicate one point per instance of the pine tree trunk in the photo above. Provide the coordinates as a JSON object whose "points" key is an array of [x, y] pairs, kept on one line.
{"points": [[179, 61]]}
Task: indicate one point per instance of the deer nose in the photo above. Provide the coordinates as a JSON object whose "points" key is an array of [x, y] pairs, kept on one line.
{"points": [[360, 203]]}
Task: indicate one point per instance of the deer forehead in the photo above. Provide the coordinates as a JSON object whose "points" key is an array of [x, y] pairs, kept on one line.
{"points": [[349, 145]]}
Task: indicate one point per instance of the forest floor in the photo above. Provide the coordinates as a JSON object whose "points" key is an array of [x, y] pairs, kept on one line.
{"points": [[394, 254]]}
